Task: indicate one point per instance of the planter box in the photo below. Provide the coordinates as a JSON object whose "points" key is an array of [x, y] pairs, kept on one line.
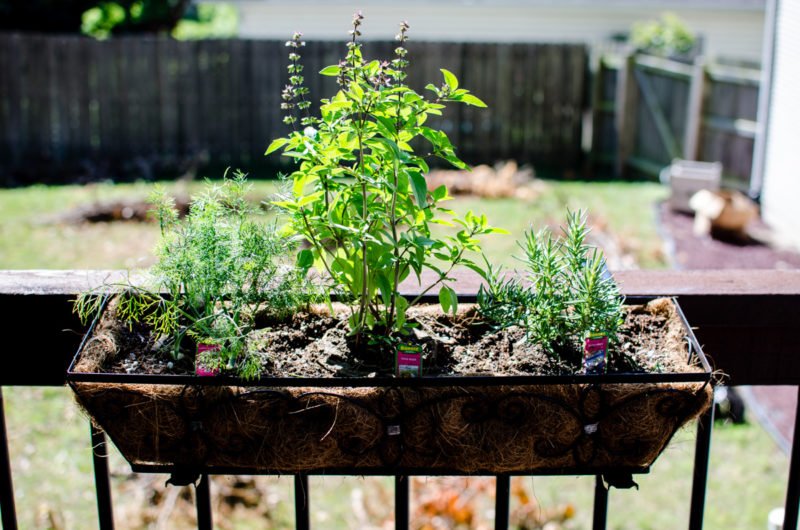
{"points": [[577, 424]]}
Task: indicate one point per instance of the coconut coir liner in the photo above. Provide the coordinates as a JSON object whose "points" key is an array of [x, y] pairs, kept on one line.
{"points": [[528, 428]]}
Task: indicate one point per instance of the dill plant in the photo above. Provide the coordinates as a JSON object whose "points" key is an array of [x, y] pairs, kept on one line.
{"points": [[359, 195], [216, 269], [567, 292]]}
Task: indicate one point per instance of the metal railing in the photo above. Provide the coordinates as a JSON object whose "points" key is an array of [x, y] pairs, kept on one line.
{"points": [[302, 493], [736, 313]]}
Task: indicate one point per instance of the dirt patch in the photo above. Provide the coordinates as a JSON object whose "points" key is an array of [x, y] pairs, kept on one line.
{"points": [[505, 179], [317, 344], [137, 210]]}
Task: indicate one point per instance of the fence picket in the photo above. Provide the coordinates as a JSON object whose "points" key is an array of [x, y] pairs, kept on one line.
{"points": [[166, 70], [576, 82], [529, 107], [189, 100], [90, 79], [12, 127], [5, 103], [109, 101], [488, 134], [27, 98], [245, 102]]}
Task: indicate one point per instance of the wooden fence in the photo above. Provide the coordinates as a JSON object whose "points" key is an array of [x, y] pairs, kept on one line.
{"points": [[649, 110], [69, 100]]}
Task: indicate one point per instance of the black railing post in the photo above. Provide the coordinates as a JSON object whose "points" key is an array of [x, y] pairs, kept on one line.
{"points": [[502, 501], [793, 488], [401, 502], [9, 511], [102, 484], [701, 455], [600, 513], [301, 511], [205, 520]]}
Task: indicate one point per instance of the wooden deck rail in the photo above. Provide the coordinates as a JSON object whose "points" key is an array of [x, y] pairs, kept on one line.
{"points": [[747, 321]]}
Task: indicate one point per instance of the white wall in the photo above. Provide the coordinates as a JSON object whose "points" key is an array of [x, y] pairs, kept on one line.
{"points": [[735, 31], [781, 192]]}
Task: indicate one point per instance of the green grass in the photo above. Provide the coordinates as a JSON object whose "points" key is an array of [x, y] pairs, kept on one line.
{"points": [[33, 234], [747, 479], [49, 438], [51, 458], [624, 209]]}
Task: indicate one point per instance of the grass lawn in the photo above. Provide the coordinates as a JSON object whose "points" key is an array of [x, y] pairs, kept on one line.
{"points": [[49, 438], [34, 234]]}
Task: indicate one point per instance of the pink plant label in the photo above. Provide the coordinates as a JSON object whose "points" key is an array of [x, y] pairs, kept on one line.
{"points": [[409, 361], [201, 370], [595, 349]]}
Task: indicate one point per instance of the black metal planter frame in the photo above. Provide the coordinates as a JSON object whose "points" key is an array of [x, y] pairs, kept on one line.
{"points": [[390, 443]]}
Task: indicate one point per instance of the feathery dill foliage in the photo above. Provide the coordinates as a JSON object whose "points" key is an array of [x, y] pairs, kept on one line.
{"points": [[216, 269], [567, 294], [359, 195]]}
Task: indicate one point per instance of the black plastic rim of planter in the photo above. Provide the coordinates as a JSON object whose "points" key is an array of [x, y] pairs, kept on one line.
{"points": [[695, 351]]}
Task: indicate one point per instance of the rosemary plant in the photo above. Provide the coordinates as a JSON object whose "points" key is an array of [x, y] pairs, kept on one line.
{"points": [[567, 292]]}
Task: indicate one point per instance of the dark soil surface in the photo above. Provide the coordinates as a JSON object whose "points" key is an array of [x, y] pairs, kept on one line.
{"points": [[317, 345], [773, 407]]}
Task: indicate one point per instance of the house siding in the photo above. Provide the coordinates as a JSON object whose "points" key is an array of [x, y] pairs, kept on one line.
{"points": [[781, 191], [729, 32]]}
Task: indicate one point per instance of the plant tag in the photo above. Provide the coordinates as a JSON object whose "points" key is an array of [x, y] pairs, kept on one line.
{"points": [[199, 369], [408, 361], [595, 348]]}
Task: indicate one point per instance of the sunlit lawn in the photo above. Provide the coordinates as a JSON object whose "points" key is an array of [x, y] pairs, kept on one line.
{"points": [[33, 233], [49, 438]]}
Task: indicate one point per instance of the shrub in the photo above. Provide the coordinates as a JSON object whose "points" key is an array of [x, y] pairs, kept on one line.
{"points": [[666, 36]]}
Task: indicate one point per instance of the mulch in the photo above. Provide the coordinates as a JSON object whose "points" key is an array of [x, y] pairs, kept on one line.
{"points": [[772, 406], [691, 252]]}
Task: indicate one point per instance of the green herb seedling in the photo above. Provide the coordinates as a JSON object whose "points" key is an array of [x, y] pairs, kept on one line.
{"points": [[566, 296], [359, 195], [215, 270]]}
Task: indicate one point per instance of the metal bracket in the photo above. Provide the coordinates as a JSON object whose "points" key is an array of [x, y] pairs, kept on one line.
{"points": [[621, 481]]}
